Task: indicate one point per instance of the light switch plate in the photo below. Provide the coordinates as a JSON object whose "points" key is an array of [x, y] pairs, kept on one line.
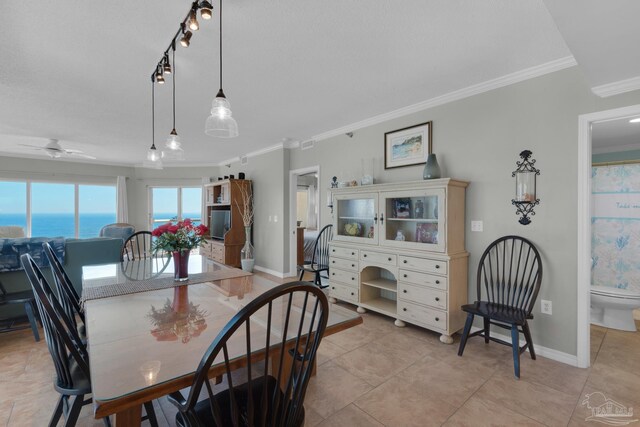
{"points": [[476, 226], [546, 306]]}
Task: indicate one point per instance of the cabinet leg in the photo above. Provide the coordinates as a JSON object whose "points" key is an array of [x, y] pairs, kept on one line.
{"points": [[446, 339], [361, 310], [333, 300], [399, 323]]}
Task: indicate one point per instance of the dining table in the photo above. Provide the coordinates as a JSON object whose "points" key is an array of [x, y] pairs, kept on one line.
{"points": [[147, 333]]}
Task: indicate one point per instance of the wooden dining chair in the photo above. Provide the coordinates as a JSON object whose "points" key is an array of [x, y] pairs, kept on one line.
{"points": [[69, 353], [510, 272], [137, 246], [296, 310], [320, 258], [67, 294]]}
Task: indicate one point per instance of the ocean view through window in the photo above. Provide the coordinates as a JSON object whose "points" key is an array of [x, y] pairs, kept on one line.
{"points": [[52, 208], [175, 204]]}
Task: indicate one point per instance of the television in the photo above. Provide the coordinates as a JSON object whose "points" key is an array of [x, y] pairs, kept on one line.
{"points": [[220, 223]]}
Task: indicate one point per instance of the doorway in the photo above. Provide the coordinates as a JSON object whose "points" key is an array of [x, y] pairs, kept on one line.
{"points": [[586, 123], [304, 212]]}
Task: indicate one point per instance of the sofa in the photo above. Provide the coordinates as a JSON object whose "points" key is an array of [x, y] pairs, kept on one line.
{"points": [[77, 253]]}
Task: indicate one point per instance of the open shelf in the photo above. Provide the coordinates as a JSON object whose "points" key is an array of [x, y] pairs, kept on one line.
{"points": [[381, 305], [427, 220], [389, 285], [360, 218]]}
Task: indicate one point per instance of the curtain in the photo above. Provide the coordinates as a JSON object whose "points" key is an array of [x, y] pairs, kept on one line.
{"points": [[121, 205], [312, 208]]}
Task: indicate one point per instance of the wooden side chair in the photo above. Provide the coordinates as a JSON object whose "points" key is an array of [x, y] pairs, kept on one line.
{"points": [[297, 311], [510, 272], [137, 246], [320, 258]]}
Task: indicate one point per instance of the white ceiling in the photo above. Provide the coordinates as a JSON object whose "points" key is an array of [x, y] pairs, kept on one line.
{"points": [[615, 135], [79, 71]]}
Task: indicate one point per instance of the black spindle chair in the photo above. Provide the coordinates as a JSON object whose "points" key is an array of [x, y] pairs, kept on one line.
{"points": [[67, 294], [510, 271], [69, 353], [297, 311], [320, 258], [137, 246]]}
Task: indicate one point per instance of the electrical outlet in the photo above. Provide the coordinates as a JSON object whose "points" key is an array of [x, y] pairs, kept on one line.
{"points": [[545, 307], [275, 218], [476, 225], [269, 218]]}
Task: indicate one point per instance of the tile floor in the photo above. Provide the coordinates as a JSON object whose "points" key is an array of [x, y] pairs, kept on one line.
{"points": [[378, 375]]}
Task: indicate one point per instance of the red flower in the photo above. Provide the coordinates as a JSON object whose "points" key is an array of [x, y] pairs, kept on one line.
{"points": [[173, 229], [161, 229], [201, 229]]}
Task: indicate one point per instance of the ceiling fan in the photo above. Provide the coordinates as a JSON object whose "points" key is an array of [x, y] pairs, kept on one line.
{"points": [[55, 150]]}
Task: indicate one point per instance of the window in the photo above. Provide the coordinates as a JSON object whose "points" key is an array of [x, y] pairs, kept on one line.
{"points": [[174, 204], [48, 209]]}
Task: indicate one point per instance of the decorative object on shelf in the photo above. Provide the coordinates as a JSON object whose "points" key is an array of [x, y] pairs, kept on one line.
{"points": [[407, 146], [231, 176], [402, 208], [334, 182], [367, 174], [418, 211], [179, 240], [427, 233], [526, 199], [241, 175], [353, 229], [431, 168], [247, 254], [371, 234], [179, 319], [221, 123], [400, 236]]}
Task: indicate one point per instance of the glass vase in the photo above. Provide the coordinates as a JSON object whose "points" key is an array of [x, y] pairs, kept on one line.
{"points": [[247, 259], [181, 266], [431, 168]]}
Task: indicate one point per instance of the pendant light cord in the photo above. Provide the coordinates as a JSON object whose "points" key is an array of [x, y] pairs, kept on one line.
{"points": [[174, 86], [220, 44], [153, 115]]}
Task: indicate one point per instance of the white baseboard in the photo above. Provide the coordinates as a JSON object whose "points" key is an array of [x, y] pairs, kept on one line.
{"points": [[278, 274], [549, 353]]}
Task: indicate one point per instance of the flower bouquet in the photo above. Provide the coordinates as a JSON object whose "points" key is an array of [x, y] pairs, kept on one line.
{"points": [[179, 240]]}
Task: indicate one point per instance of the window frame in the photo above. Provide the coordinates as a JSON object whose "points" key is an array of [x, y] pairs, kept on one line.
{"points": [[150, 188]]}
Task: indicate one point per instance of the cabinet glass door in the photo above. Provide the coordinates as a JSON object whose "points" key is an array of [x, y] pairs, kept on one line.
{"points": [[413, 219], [355, 218]]}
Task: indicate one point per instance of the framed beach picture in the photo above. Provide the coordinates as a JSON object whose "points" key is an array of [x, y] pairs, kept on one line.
{"points": [[407, 146]]}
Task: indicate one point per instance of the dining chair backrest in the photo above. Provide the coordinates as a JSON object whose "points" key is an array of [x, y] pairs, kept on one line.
{"points": [[68, 296], [510, 273], [297, 311], [65, 346], [138, 246], [320, 258], [120, 230]]}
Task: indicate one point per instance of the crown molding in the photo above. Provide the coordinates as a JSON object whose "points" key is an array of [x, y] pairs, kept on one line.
{"points": [[509, 79], [616, 148], [615, 88]]}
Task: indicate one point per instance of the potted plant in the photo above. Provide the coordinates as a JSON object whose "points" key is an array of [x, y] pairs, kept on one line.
{"points": [[179, 240], [247, 256]]}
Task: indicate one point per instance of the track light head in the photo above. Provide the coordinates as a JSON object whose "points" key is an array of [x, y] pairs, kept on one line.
{"points": [[206, 10], [166, 67], [192, 22], [159, 76], [186, 39]]}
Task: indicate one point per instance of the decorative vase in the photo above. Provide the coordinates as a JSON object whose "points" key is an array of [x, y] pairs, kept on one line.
{"points": [[431, 168], [247, 259], [181, 265], [180, 302]]}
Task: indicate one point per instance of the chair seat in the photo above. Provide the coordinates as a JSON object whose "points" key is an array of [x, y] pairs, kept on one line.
{"points": [[16, 297], [81, 384], [241, 394], [499, 312]]}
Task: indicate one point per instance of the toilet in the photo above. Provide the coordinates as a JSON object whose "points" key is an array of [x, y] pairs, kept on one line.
{"points": [[613, 307]]}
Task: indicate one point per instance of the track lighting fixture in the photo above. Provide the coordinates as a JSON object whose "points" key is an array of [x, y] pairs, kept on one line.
{"points": [[206, 10], [166, 67], [192, 22], [159, 76], [153, 155], [173, 141], [186, 38]]}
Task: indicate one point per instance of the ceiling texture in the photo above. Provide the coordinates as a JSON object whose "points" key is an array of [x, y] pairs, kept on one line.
{"points": [[79, 71]]}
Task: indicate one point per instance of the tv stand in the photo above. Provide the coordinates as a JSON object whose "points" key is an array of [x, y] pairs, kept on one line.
{"points": [[225, 195]]}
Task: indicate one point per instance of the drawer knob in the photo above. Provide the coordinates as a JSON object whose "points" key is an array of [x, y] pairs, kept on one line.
{"points": [[437, 299], [351, 293], [333, 262], [333, 250], [405, 261], [353, 278], [404, 275], [333, 287], [437, 265], [353, 253], [404, 290], [389, 259], [365, 255], [404, 308], [333, 274], [437, 282], [353, 265], [437, 319]]}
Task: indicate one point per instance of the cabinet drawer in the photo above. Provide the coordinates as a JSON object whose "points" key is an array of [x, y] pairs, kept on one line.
{"points": [[423, 279], [344, 252], [378, 257], [429, 265], [348, 277], [344, 264], [429, 317], [344, 292], [420, 295]]}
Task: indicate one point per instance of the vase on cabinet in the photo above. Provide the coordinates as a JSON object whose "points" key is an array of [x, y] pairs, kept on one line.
{"points": [[181, 265], [247, 259], [431, 168]]}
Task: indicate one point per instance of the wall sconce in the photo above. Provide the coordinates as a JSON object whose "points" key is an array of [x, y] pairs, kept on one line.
{"points": [[526, 199]]}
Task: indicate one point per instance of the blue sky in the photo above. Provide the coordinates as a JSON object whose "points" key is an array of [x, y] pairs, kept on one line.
{"points": [[56, 198]]}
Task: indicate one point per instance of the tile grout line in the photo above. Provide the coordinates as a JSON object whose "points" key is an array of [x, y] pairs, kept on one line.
{"points": [[11, 413]]}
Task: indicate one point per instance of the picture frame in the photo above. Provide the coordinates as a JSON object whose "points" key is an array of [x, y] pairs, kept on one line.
{"points": [[407, 146], [402, 208]]}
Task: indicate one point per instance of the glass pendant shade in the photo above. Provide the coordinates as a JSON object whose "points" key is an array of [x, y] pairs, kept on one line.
{"points": [[153, 155], [221, 123], [173, 141]]}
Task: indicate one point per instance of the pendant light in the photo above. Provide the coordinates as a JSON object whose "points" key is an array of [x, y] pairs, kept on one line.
{"points": [[220, 123], [173, 141], [153, 155]]}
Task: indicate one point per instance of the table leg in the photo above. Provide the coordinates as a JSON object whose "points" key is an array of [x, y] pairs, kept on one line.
{"points": [[130, 417], [286, 365]]}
